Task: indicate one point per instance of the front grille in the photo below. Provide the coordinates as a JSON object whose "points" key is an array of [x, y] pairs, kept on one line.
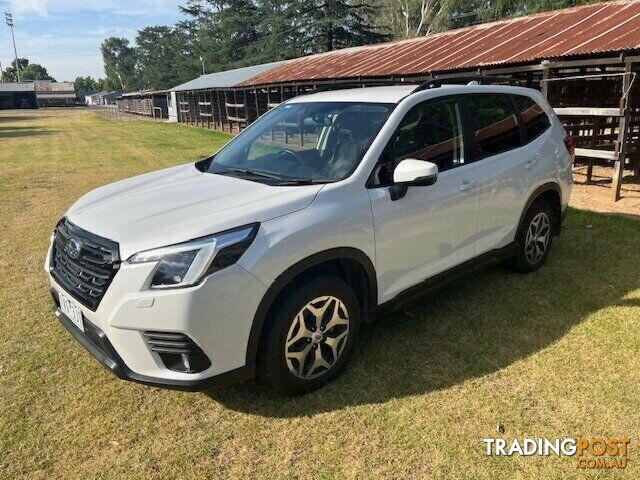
{"points": [[177, 351], [83, 263]]}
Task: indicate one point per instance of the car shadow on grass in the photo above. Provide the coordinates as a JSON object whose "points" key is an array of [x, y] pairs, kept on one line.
{"points": [[20, 118], [468, 330], [18, 132]]}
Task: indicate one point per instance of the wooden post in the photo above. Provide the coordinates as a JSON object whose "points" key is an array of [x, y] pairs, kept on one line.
{"points": [[594, 144], [621, 144], [255, 96], [596, 127], [544, 84], [210, 119], [219, 110]]}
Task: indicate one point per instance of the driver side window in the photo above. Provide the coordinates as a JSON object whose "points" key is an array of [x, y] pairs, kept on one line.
{"points": [[430, 131]]}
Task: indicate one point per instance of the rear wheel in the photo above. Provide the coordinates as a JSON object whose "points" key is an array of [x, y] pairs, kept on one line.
{"points": [[309, 336], [534, 238]]}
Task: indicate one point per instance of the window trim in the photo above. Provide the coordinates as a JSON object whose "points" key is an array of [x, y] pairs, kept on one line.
{"points": [[523, 131], [516, 111], [469, 152]]}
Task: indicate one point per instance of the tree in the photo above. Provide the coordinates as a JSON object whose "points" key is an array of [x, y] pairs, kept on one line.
{"points": [[87, 85], [279, 32], [28, 72], [163, 59], [331, 24], [34, 71], [411, 18], [222, 31], [9, 73], [119, 64], [232, 33]]}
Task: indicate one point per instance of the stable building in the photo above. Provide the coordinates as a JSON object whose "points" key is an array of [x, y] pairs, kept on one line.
{"points": [[55, 94], [150, 103], [102, 98], [212, 101]]}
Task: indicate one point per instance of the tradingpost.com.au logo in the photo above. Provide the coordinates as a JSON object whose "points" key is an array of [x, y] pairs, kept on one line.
{"points": [[591, 453]]}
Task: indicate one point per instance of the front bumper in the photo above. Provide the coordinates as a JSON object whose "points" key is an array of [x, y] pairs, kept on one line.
{"points": [[98, 345], [216, 314]]}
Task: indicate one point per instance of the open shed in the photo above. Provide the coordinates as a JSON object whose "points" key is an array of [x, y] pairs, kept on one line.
{"points": [[17, 95]]}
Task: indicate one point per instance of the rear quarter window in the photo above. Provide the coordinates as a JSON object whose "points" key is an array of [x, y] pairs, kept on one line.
{"points": [[534, 118], [495, 125]]}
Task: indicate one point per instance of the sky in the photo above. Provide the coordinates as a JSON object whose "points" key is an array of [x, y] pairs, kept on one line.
{"points": [[65, 35]]}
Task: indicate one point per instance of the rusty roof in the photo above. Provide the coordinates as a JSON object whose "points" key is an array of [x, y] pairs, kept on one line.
{"points": [[592, 29]]}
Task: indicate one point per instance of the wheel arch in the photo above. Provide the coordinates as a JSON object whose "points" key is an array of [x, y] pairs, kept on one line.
{"points": [[552, 194], [345, 259]]}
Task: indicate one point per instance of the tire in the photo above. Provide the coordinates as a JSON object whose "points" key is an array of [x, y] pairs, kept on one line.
{"points": [[288, 359], [534, 239]]}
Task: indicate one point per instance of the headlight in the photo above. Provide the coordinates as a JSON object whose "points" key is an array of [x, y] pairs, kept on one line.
{"points": [[185, 264]]}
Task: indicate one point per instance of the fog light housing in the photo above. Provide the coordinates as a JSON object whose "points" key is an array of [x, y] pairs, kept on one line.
{"points": [[177, 351]]}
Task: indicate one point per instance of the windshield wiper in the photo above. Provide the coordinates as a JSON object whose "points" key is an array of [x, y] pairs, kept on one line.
{"points": [[303, 181], [255, 173], [282, 181]]}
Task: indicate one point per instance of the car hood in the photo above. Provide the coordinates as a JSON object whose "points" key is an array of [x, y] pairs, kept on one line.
{"points": [[179, 204]]}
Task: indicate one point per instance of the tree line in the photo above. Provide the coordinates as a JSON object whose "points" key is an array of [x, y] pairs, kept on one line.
{"points": [[28, 72], [219, 35]]}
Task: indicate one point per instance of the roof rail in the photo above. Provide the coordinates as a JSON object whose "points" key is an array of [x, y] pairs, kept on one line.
{"points": [[481, 80]]}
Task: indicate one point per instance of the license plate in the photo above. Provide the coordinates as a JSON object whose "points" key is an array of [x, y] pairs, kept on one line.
{"points": [[71, 310]]}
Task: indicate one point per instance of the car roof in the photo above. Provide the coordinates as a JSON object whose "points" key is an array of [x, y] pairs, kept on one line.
{"points": [[395, 94]]}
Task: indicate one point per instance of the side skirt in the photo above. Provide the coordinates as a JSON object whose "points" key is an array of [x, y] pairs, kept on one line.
{"points": [[443, 279]]}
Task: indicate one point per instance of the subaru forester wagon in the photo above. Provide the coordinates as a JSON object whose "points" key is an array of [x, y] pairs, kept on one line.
{"points": [[266, 258]]}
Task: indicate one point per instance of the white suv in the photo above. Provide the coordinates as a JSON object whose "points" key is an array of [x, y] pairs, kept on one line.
{"points": [[329, 210]]}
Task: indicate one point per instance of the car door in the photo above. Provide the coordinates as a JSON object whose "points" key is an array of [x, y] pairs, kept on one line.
{"points": [[431, 228], [502, 164]]}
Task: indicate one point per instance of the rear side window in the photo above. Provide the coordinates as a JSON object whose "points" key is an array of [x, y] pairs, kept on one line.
{"points": [[495, 125], [534, 119]]}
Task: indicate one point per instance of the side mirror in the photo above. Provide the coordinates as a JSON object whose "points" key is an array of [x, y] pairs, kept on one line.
{"points": [[412, 173]]}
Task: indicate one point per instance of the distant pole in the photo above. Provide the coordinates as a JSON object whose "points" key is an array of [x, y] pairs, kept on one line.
{"points": [[203, 70], [8, 16]]}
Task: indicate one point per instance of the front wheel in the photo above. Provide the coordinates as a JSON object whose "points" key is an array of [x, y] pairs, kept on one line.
{"points": [[309, 336], [534, 239]]}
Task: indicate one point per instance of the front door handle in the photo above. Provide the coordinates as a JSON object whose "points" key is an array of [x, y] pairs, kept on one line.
{"points": [[468, 185]]}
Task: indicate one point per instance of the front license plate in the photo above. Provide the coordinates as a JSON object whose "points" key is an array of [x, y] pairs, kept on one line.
{"points": [[72, 311]]}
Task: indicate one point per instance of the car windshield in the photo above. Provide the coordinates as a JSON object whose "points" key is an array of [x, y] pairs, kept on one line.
{"points": [[301, 143]]}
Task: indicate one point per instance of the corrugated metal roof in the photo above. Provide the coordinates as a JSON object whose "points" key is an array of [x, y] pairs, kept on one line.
{"points": [[17, 87], [592, 29], [105, 94], [48, 86], [227, 78], [144, 93]]}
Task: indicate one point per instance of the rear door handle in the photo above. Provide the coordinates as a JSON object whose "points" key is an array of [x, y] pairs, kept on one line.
{"points": [[468, 185]]}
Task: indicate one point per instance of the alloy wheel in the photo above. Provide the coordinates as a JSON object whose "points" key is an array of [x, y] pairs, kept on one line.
{"points": [[537, 240], [317, 337]]}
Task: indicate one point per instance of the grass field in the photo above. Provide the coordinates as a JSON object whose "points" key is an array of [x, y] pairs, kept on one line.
{"points": [[552, 354]]}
